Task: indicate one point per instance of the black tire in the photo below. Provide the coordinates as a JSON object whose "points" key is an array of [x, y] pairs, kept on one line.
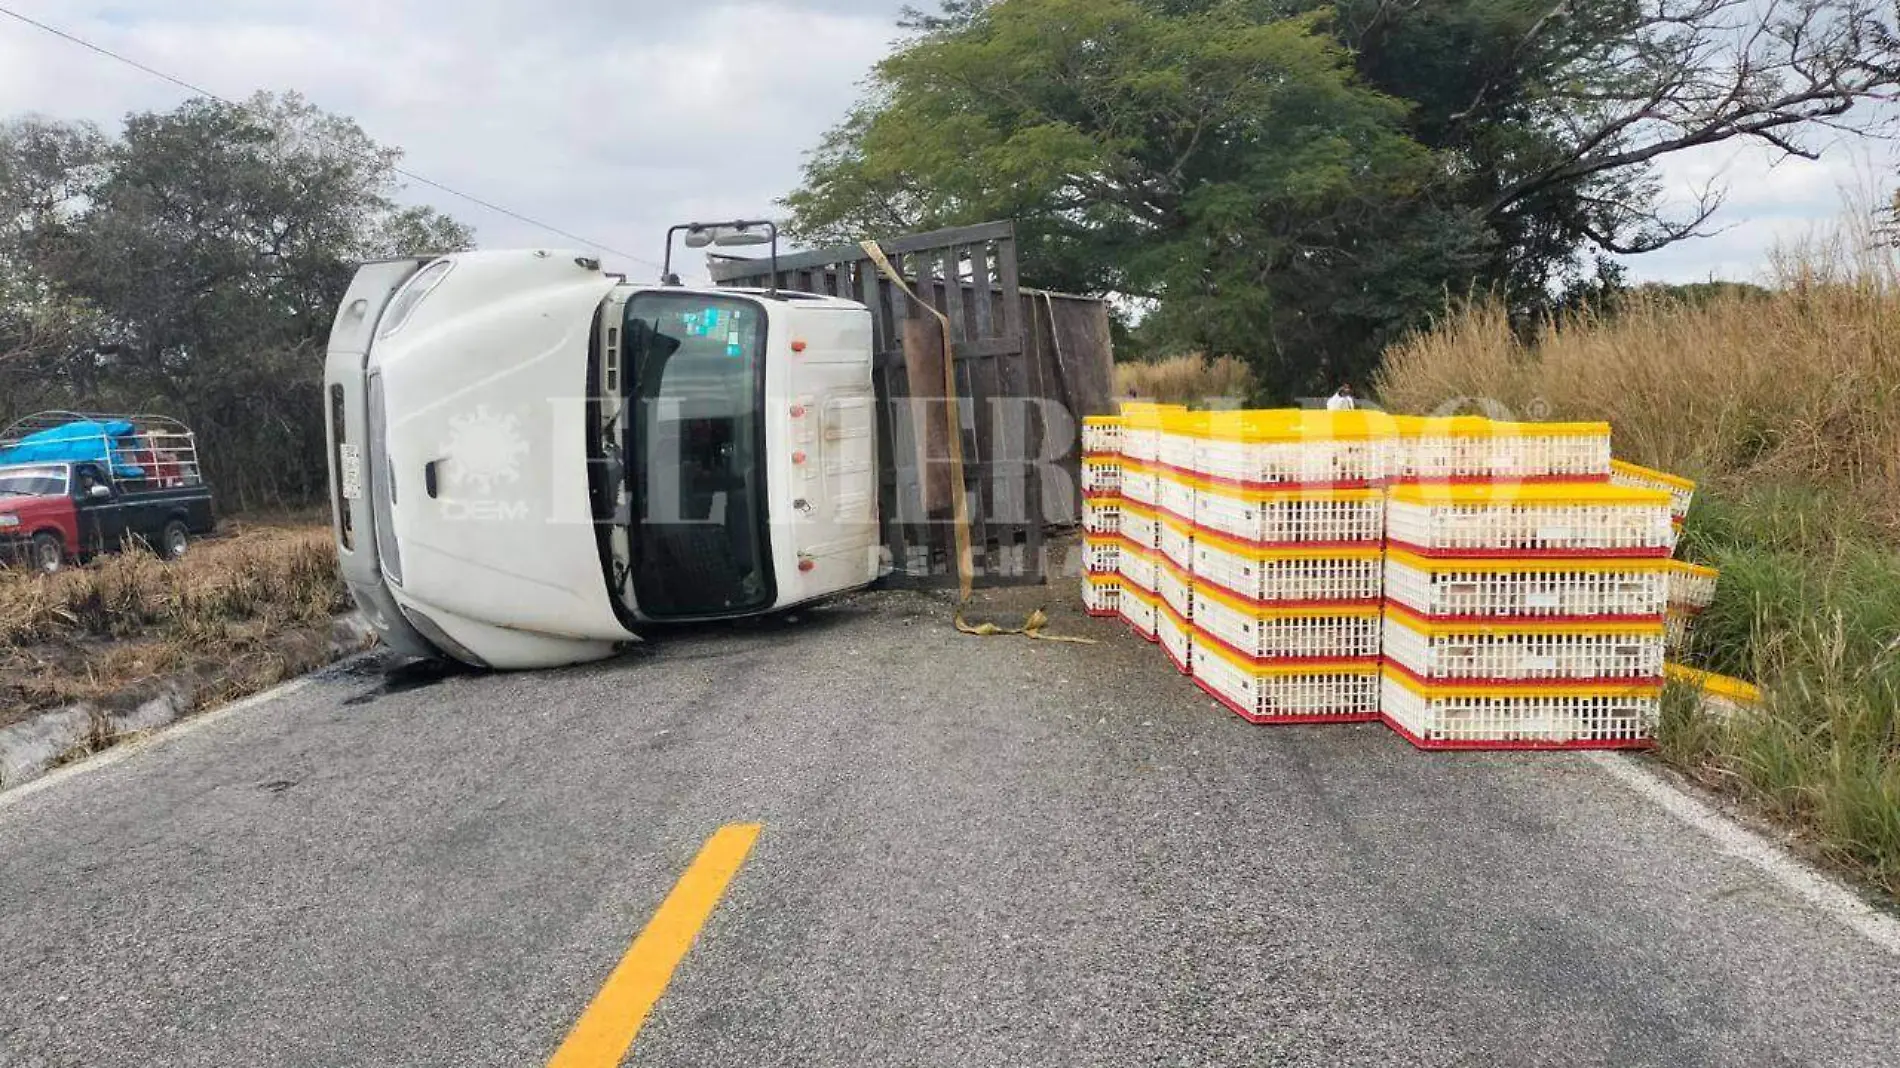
{"points": [[175, 540], [49, 553]]}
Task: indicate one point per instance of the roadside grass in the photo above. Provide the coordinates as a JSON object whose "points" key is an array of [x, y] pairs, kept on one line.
{"points": [[1188, 379], [1786, 409], [236, 614]]}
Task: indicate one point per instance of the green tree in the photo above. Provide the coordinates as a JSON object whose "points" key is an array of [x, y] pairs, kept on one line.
{"points": [[1217, 164], [209, 246], [1298, 181]]}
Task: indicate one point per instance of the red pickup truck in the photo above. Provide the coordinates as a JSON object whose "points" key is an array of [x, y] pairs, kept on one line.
{"points": [[143, 487]]}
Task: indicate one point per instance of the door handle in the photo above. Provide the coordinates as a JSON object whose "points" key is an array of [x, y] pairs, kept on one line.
{"points": [[428, 479]]}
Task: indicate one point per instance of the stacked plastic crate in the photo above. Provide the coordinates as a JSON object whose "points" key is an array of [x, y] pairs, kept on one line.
{"points": [[1101, 514], [1525, 614], [1180, 433], [1286, 538], [1139, 549], [1691, 586]]}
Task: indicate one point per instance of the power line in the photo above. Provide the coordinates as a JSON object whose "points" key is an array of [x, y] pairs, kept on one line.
{"points": [[411, 175]]}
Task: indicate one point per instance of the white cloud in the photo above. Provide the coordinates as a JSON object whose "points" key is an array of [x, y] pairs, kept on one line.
{"points": [[609, 120], [616, 118]]}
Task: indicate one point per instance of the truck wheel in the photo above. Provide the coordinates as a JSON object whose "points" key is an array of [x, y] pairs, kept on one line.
{"points": [[175, 540], [48, 554]]}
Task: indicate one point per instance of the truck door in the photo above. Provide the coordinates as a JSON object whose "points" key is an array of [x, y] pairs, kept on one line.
{"points": [[102, 525], [833, 417]]}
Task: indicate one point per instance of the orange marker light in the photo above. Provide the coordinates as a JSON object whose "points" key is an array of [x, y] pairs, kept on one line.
{"points": [[798, 457], [807, 565], [798, 346], [798, 411]]}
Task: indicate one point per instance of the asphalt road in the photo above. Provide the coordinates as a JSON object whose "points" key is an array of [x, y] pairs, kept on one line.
{"points": [[976, 853]]}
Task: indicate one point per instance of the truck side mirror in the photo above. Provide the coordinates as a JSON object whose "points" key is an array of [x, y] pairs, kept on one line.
{"points": [[99, 491]]}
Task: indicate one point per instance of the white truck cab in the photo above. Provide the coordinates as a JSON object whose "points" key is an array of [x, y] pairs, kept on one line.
{"points": [[530, 459]]}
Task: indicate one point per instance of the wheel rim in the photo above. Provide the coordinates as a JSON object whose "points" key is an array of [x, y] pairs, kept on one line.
{"points": [[175, 543], [49, 556]]}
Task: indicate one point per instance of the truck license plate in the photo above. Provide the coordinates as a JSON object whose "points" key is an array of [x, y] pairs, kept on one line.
{"points": [[350, 464]]}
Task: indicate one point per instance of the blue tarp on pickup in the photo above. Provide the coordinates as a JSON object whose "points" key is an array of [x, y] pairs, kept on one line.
{"points": [[85, 441]]}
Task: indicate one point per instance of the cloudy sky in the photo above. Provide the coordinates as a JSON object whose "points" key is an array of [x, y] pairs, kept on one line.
{"points": [[613, 119]]}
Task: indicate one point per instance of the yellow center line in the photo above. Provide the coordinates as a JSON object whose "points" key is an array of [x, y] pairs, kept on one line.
{"points": [[604, 1033]]}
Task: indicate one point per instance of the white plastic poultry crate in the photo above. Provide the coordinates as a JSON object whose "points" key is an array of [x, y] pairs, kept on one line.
{"points": [[1263, 449], [1141, 429], [1678, 628], [1139, 609], [1176, 635], [1330, 576], [1681, 490], [1262, 632], [1101, 594], [1179, 432], [1177, 542], [1176, 587], [1264, 693], [1101, 476], [1140, 524], [1578, 654], [1102, 515], [1530, 520], [1519, 717], [1140, 567], [1527, 589], [1473, 448], [1101, 554], [1101, 435], [1292, 517], [1176, 496], [1691, 586], [1140, 483]]}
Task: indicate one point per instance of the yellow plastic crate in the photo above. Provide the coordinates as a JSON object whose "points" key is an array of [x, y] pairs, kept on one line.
{"points": [[1287, 632], [1101, 476], [1139, 608], [1262, 449], [1101, 435], [1328, 575], [1140, 524], [1691, 586], [1541, 588], [1176, 635], [1725, 690], [1467, 448], [1525, 651], [1140, 566], [1177, 541], [1102, 515], [1291, 516], [1582, 519], [1519, 716], [1265, 692], [1140, 481], [1681, 490]]}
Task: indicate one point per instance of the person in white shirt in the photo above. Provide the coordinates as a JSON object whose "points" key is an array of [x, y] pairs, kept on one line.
{"points": [[1341, 401]]}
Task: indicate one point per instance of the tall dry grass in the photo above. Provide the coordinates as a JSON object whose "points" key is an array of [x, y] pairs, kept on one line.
{"points": [[223, 613], [1786, 407], [1802, 384], [1189, 379]]}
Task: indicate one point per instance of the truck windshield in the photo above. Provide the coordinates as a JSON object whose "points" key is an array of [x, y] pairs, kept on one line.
{"points": [[44, 481], [697, 374]]}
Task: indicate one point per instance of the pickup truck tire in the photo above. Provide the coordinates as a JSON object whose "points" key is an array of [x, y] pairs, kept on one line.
{"points": [[175, 540], [49, 555]]}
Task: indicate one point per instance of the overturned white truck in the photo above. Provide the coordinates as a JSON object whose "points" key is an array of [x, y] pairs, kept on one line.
{"points": [[531, 458]]}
